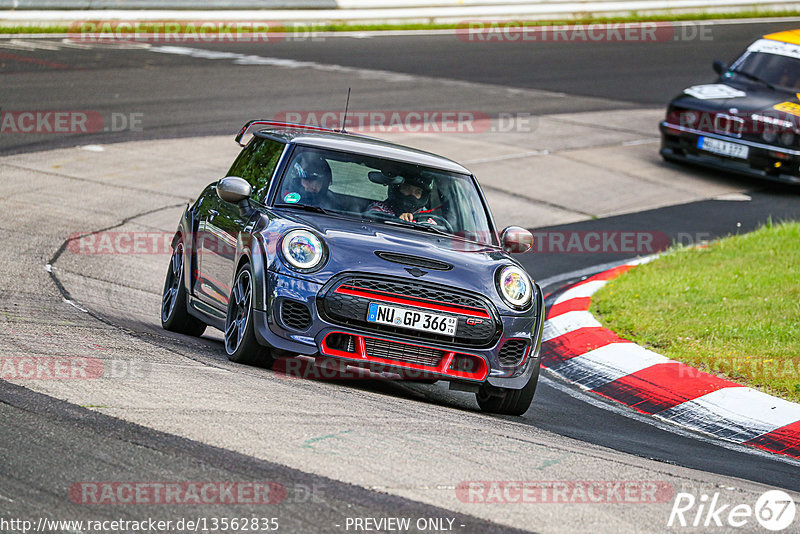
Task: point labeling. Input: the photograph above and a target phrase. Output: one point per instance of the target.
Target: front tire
(507, 401)
(241, 344)
(174, 313)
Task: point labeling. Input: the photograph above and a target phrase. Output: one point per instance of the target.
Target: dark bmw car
(748, 122)
(356, 250)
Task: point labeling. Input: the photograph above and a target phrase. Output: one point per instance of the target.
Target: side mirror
(233, 189)
(516, 240)
(719, 66)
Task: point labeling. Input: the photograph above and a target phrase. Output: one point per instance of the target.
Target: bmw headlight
(303, 250)
(515, 286)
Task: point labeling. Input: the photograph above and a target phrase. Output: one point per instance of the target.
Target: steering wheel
(438, 221)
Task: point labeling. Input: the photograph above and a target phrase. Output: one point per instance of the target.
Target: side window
(256, 163)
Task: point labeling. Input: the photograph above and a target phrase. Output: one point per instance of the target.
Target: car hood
(352, 246)
(744, 100)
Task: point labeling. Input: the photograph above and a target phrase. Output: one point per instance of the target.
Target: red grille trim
(361, 355)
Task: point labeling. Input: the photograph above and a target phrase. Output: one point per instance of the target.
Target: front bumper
(775, 163)
(408, 357)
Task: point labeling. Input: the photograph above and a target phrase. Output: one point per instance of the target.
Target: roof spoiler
(262, 122)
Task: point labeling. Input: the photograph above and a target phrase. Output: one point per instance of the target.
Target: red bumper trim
(361, 356)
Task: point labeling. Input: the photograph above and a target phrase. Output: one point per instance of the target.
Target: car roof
(370, 146)
(788, 36)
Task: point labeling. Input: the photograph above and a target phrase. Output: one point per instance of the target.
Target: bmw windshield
(387, 191)
(770, 63)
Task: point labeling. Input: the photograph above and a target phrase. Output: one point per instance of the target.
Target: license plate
(723, 148)
(413, 319)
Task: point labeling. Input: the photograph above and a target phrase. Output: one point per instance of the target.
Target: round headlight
(787, 138)
(515, 286)
(303, 250)
(769, 135)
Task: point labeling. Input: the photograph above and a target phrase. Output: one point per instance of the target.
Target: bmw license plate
(413, 319)
(723, 148)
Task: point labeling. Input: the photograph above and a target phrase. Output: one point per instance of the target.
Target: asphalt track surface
(179, 95)
(183, 96)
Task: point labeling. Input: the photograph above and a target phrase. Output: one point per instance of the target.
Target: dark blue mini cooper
(356, 250)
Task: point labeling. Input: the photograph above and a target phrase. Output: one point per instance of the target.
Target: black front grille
(351, 310)
(378, 348)
(416, 291)
(295, 315)
(512, 352)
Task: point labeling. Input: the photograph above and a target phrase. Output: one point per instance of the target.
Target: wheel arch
(251, 251)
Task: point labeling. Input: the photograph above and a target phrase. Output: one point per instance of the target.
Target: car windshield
(387, 191)
(772, 70)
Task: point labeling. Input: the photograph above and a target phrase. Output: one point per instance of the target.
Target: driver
(407, 200)
(308, 181)
(789, 77)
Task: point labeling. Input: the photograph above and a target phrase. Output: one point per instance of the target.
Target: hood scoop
(414, 261)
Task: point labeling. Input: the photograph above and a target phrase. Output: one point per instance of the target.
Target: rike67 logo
(774, 511)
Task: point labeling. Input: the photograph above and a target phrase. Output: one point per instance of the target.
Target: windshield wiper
(418, 226)
(753, 77)
(307, 207)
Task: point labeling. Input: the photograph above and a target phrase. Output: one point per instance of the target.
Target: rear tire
(507, 401)
(174, 313)
(241, 344)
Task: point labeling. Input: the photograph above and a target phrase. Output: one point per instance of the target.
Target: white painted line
(367, 74)
(586, 289)
(75, 305)
(518, 155)
(580, 273)
(643, 260)
(734, 197)
(568, 322)
(637, 142)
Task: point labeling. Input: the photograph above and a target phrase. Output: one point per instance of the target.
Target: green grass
(731, 309)
(586, 18)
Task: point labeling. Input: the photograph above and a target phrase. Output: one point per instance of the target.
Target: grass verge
(731, 309)
(588, 18)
